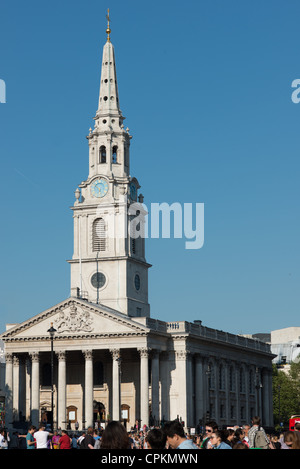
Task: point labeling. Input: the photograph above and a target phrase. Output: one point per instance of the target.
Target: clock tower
(108, 266)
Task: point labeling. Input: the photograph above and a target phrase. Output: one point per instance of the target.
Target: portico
(98, 365)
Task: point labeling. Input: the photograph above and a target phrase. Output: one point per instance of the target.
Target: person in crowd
(257, 435)
(30, 441)
(4, 439)
(246, 429)
(217, 440)
(210, 427)
(55, 440)
(176, 437)
(229, 436)
(65, 441)
(282, 443)
(115, 436)
(292, 439)
(41, 437)
(238, 437)
(14, 441)
(80, 439)
(156, 439)
(275, 441)
(88, 442)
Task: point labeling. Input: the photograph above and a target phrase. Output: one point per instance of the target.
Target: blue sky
(206, 90)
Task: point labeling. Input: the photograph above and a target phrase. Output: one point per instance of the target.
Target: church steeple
(108, 264)
(109, 142)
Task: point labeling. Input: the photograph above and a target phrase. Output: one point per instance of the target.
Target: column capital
(35, 356)
(61, 354)
(116, 353)
(182, 354)
(88, 354)
(8, 358)
(144, 352)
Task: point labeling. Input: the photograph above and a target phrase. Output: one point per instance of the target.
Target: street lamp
(51, 333)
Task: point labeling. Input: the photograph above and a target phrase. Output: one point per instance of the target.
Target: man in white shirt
(41, 437)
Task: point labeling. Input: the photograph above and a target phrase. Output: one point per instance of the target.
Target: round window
(137, 282)
(98, 280)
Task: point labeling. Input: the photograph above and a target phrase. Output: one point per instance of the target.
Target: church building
(99, 355)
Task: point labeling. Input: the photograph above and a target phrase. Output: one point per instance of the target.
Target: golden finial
(108, 31)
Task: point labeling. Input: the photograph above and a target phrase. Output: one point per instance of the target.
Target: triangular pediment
(76, 318)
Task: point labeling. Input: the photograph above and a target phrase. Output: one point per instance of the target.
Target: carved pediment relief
(75, 318)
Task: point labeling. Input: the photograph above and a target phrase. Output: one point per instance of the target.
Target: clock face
(133, 192)
(98, 280)
(99, 188)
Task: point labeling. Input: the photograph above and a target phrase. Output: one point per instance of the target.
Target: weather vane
(108, 31)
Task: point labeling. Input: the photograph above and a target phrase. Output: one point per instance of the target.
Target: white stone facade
(285, 344)
(174, 369)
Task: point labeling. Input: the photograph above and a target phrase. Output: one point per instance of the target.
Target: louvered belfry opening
(99, 235)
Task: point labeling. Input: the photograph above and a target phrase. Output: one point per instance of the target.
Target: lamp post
(51, 333)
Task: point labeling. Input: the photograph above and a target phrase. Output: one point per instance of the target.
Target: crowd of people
(169, 436)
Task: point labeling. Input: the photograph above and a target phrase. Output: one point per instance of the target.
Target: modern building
(110, 359)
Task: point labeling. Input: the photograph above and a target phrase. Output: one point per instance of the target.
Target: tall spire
(108, 106)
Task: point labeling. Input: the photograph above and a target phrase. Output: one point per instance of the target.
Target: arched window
(99, 235)
(102, 154)
(115, 154)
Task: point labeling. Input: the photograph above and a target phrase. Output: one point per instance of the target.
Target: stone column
(247, 390)
(89, 388)
(165, 384)
(155, 386)
(144, 380)
(267, 396)
(182, 385)
(216, 390)
(62, 389)
(227, 391)
(271, 413)
(199, 389)
(258, 387)
(206, 388)
(8, 389)
(238, 393)
(35, 388)
(116, 395)
(27, 387)
(16, 386)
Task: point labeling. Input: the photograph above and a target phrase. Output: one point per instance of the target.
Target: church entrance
(99, 414)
